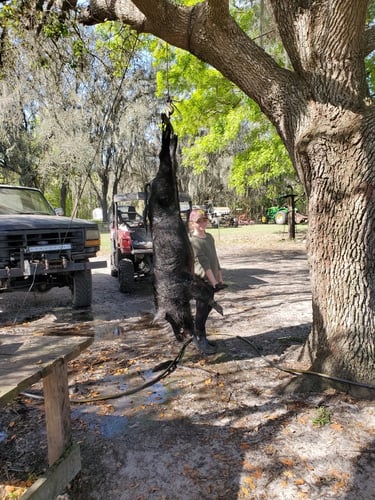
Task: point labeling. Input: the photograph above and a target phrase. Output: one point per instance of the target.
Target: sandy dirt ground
(218, 427)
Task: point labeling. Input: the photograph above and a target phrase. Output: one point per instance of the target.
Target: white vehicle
(221, 216)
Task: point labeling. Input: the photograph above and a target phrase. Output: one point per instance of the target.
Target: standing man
(206, 267)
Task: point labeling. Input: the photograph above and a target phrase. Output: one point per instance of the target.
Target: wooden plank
(57, 408)
(54, 482)
(24, 360)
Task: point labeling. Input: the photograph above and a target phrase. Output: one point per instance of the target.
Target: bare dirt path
(216, 428)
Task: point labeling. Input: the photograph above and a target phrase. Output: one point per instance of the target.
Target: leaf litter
(219, 427)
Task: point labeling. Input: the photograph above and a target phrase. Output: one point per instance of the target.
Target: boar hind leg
(181, 332)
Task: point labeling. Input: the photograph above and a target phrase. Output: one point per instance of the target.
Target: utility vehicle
(131, 240)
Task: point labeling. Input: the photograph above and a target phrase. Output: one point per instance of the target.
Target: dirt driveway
(219, 427)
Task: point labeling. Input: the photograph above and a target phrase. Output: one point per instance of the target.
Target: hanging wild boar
(173, 255)
(174, 281)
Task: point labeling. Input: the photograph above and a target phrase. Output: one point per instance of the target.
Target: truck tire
(126, 275)
(114, 268)
(82, 289)
(281, 217)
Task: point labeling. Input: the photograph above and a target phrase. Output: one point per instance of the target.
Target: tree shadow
(274, 342)
(363, 479)
(236, 452)
(173, 458)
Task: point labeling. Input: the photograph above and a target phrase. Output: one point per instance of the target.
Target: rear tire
(126, 275)
(281, 217)
(114, 268)
(82, 289)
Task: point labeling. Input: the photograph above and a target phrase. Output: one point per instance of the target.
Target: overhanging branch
(125, 11)
(211, 34)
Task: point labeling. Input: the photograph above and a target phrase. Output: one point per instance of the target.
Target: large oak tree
(322, 111)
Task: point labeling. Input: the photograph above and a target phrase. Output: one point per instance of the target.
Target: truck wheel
(82, 289)
(126, 275)
(114, 270)
(281, 217)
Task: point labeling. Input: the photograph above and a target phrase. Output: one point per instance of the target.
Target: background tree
(91, 77)
(91, 114)
(18, 145)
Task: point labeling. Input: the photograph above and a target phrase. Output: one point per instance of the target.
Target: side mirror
(59, 211)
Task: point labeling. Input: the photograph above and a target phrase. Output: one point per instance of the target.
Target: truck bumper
(46, 267)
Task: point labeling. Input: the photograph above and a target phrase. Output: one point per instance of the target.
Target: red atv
(131, 241)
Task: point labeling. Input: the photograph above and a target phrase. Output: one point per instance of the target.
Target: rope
(295, 371)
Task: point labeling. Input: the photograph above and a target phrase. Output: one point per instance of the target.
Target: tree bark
(341, 243)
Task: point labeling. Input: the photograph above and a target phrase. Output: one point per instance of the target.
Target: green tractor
(277, 215)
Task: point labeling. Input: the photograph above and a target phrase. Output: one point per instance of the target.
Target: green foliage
(370, 72)
(55, 28)
(264, 162)
(121, 45)
(371, 12)
(226, 142)
(213, 118)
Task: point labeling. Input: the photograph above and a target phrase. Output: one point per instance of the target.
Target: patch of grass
(323, 416)
(105, 243)
(256, 236)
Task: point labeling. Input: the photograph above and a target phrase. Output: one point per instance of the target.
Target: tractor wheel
(126, 275)
(281, 217)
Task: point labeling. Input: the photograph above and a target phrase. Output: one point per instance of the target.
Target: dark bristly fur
(174, 281)
(173, 256)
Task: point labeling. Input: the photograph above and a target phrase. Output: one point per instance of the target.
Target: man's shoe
(204, 346)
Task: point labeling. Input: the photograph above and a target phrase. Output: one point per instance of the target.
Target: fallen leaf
(248, 466)
(288, 473)
(302, 420)
(302, 495)
(287, 461)
(245, 446)
(250, 481)
(245, 491)
(337, 427)
(258, 473)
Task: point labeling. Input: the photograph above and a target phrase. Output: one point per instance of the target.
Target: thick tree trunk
(341, 246)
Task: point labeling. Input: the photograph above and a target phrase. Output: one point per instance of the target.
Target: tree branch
(207, 31)
(100, 11)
